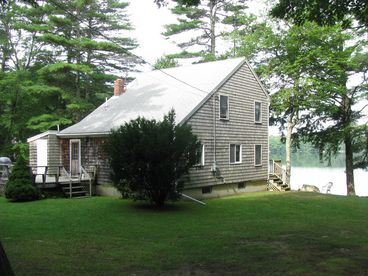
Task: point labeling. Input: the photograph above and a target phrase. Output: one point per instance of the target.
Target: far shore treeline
(304, 156)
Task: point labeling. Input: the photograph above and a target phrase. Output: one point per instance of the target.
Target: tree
(148, 157)
(339, 105)
(165, 62)
(57, 60)
(89, 35)
(251, 38)
(19, 186)
(202, 23)
(181, 2)
(312, 66)
(322, 12)
(24, 98)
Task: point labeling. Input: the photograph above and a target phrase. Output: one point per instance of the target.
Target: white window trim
(260, 112)
(228, 107)
(202, 160)
(257, 165)
(240, 154)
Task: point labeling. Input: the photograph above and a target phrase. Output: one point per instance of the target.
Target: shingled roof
(153, 94)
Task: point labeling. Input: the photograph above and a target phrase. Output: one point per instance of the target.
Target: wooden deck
(57, 176)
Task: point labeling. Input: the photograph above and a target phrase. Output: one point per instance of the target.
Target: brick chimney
(118, 87)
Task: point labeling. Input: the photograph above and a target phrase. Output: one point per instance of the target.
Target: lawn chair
(327, 188)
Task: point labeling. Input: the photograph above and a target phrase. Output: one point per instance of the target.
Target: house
(223, 101)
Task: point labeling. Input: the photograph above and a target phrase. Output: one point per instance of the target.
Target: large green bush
(148, 157)
(19, 186)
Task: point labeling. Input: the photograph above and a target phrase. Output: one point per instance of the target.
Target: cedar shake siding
(243, 90)
(92, 154)
(53, 151)
(33, 156)
(65, 152)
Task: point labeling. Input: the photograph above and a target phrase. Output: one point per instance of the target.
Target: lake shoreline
(320, 176)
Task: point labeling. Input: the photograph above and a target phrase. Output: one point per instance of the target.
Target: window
(235, 154)
(257, 112)
(258, 155)
(201, 158)
(224, 107)
(241, 185)
(206, 190)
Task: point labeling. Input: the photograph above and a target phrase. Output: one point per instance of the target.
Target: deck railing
(58, 174)
(276, 169)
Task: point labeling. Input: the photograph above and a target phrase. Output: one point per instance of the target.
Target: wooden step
(76, 194)
(73, 188)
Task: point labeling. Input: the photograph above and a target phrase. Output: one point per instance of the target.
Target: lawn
(254, 234)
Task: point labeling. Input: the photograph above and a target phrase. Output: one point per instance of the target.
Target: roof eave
(43, 134)
(81, 135)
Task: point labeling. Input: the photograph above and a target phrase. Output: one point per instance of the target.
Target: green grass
(254, 234)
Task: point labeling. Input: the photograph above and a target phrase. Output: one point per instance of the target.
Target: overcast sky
(149, 21)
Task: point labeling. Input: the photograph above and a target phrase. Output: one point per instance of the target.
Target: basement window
(241, 185)
(224, 107)
(206, 190)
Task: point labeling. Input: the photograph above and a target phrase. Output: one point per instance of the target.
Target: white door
(75, 157)
(41, 156)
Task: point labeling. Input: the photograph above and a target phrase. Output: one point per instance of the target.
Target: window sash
(224, 107)
(201, 159)
(257, 112)
(258, 155)
(235, 154)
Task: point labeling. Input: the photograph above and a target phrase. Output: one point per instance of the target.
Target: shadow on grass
(178, 206)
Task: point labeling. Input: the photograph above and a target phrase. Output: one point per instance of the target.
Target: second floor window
(224, 107)
(257, 112)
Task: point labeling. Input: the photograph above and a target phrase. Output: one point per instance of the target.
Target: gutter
(80, 135)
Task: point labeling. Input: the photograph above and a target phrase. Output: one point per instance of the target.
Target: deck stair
(277, 177)
(73, 189)
(72, 186)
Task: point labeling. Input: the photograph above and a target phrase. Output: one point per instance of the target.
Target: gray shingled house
(223, 101)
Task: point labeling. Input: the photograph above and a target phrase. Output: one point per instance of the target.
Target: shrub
(19, 186)
(148, 157)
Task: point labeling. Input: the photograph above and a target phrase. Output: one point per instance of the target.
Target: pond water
(321, 176)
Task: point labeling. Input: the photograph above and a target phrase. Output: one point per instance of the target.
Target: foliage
(165, 62)
(148, 158)
(25, 101)
(251, 38)
(181, 2)
(19, 186)
(202, 22)
(321, 11)
(57, 60)
(231, 237)
(303, 154)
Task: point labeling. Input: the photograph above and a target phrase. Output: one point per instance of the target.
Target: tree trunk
(288, 153)
(349, 166)
(348, 141)
(213, 27)
(289, 130)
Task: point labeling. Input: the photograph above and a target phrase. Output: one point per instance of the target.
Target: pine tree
(19, 186)
(205, 23)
